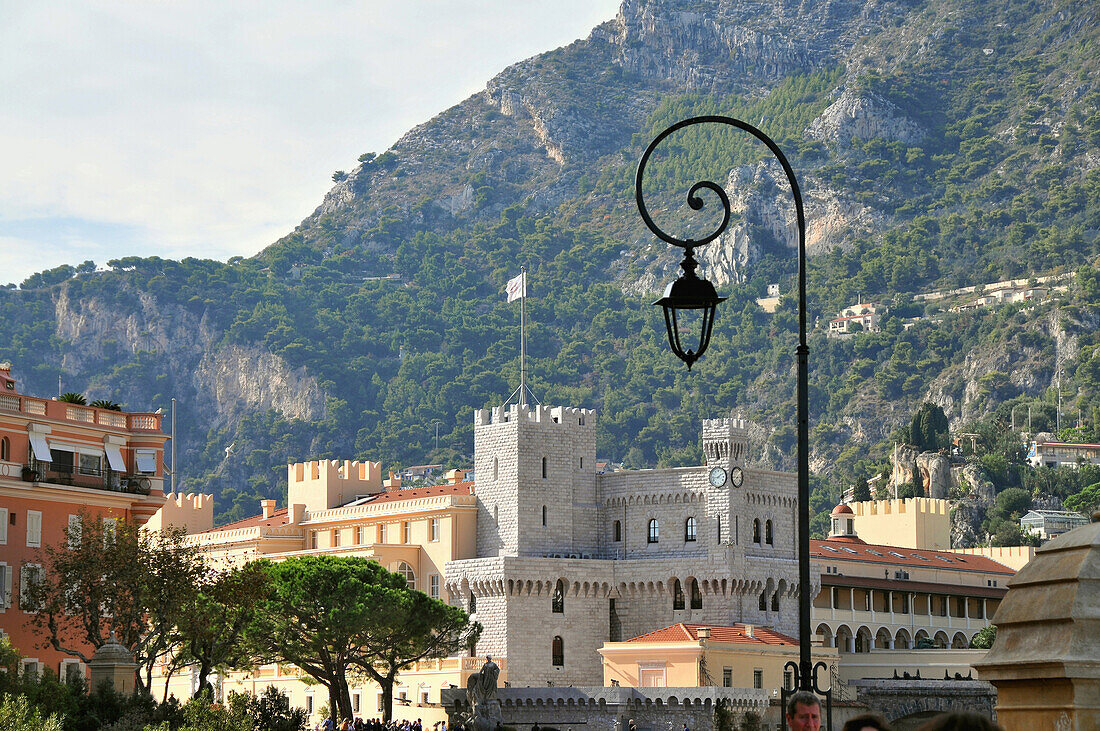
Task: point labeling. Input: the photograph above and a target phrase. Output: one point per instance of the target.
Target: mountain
(940, 145)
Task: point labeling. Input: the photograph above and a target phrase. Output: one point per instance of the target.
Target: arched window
(617, 531)
(407, 571)
(775, 602)
(557, 652)
(768, 533)
(5, 449)
(689, 529)
(544, 515)
(763, 601)
(696, 595)
(472, 604)
(677, 595)
(557, 604)
(544, 468)
(756, 530)
(654, 533)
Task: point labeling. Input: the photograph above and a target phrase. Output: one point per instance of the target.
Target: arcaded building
(569, 558)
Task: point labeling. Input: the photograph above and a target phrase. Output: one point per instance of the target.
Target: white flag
(517, 287)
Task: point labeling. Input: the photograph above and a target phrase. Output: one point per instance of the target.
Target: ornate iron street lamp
(690, 292)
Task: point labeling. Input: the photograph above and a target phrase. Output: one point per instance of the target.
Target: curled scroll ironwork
(694, 200)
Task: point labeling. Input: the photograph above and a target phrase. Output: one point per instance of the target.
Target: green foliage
(106, 404)
(861, 490)
(71, 397)
(1013, 502)
(983, 639)
(16, 714)
(1087, 501)
(929, 428)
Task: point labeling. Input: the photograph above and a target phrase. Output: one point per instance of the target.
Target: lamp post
(690, 292)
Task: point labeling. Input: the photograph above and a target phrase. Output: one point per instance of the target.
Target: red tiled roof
(735, 633)
(461, 488)
(279, 517)
(871, 553)
(842, 510)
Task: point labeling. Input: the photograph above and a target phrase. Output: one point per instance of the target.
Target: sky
(210, 128)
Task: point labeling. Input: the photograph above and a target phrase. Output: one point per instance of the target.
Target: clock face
(717, 477)
(737, 476)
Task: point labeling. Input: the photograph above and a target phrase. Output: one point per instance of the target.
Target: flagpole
(523, 339)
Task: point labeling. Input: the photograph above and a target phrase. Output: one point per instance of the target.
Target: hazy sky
(209, 128)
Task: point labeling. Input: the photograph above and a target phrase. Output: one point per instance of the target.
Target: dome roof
(842, 509)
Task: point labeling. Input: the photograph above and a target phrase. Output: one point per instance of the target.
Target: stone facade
(565, 552)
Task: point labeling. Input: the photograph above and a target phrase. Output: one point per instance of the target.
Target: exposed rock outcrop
(864, 116)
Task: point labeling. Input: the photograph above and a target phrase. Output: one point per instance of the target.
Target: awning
(114, 457)
(146, 460)
(40, 448)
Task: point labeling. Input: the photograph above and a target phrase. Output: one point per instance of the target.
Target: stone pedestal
(1045, 662)
(114, 664)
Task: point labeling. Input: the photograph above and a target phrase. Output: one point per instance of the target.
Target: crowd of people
(377, 724)
(804, 714)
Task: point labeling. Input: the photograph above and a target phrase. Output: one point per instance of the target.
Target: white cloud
(208, 128)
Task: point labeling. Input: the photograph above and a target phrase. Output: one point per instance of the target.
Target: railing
(76, 412)
(95, 478)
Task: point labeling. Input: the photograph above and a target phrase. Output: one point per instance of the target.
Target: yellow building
(916, 522)
(345, 508)
(693, 655)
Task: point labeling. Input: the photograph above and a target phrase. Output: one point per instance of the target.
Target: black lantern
(692, 293)
(689, 292)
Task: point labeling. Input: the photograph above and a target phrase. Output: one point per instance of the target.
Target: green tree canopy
(929, 430)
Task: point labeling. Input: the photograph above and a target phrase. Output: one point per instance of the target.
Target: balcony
(60, 410)
(96, 479)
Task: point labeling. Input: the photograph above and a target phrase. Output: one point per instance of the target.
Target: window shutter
(3, 526)
(34, 529)
(5, 586)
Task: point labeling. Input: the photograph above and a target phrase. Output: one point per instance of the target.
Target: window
(763, 604)
(544, 515)
(496, 469)
(309, 704)
(788, 680)
(61, 461)
(381, 704)
(557, 652)
(360, 534)
(718, 529)
(28, 667)
(696, 595)
(768, 533)
(424, 698)
(557, 603)
(544, 468)
(758, 678)
(617, 531)
(355, 703)
(581, 466)
(5, 449)
(382, 532)
(775, 602)
(677, 595)
(4, 526)
(29, 576)
(76, 525)
(313, 539)
(91, 464)
(689, 529)
(71, 671)
(433, 586)
(406, 532)
(34, 529)
(472, 604)
(756, 530)
(5, 585)
(335, 537)
(654, 534)
(146, 460)
(727, 677)
(407, 571)
(433, 530)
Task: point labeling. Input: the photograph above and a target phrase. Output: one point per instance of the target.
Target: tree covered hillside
(940, 144)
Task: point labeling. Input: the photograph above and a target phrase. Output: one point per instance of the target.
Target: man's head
(804, 712)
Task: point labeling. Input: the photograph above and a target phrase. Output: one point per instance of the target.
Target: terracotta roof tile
(841, 550)
(279, 517)
(730, 634)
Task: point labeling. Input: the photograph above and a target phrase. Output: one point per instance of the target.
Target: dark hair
(960, 721)
(863, 720)
(804, 697)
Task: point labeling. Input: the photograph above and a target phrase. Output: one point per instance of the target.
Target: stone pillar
(114, 664)
(1045, 661)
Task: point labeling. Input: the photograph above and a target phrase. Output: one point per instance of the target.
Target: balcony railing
(75, 412)
(95, 478)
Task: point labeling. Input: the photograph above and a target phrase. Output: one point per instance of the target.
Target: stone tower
(536, 481)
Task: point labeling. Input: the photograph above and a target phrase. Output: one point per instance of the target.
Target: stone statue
(481, 693)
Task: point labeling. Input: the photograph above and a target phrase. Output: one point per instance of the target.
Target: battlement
(564, 415)
(904, 506)
(194, 512)
(328, 483)
(725, 439)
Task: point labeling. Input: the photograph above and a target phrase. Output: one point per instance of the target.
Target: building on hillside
(1049, 524)
(57, 461)
(1062, 454)
(863, 316)
(693, 655)
(917, 522)
(877, 597)
(569, 558)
